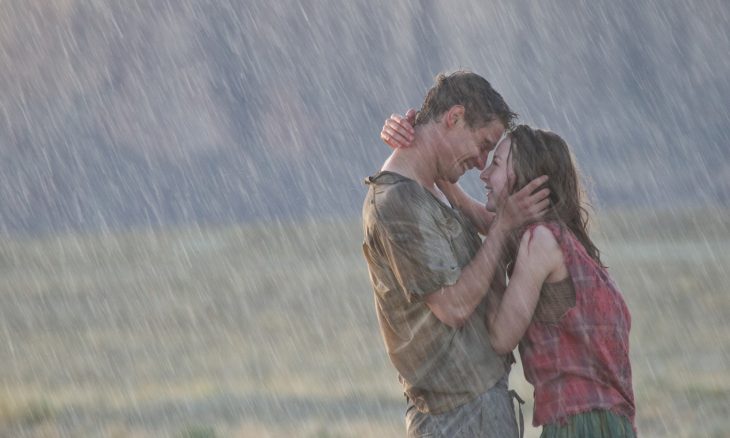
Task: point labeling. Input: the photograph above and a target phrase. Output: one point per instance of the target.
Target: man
(430, 270)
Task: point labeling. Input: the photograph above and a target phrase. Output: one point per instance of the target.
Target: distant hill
(123, 114)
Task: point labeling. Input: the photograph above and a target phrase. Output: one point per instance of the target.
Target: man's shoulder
(392, 196)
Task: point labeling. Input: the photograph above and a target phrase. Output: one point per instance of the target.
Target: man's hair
(481, 102)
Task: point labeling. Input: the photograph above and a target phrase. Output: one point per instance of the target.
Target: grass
(27, 414)
(269, 330)
(198, 432)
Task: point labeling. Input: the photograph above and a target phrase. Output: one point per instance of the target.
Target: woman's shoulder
(540, 237)
(540, 247)
(544, 231)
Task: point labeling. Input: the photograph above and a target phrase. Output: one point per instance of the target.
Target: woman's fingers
(534, 184)
(393, 138)
(530, 203)
(539, 196)
(397, 132)
(411, 118)
(541, 208)
(403, 126)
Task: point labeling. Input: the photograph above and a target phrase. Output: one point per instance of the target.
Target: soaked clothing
(489, 415)
(415, 245)
(555, 299)
(580, 362)
(594, 424)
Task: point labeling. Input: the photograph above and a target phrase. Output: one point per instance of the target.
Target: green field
(269, 330)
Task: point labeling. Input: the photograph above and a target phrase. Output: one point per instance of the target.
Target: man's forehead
(502, 137)
(495, 132)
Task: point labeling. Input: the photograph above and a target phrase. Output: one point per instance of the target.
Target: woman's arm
(538, 256)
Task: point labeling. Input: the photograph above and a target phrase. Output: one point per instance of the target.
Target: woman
(560, 305)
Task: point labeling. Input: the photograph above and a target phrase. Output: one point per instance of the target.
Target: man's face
(468, 148)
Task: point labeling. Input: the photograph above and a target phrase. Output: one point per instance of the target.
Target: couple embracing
(452, 306)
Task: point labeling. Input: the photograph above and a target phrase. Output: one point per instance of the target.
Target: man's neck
(418, 161)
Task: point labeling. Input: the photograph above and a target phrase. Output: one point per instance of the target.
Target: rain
(181, 185)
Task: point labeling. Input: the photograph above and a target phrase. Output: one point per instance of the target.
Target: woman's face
(498, 175)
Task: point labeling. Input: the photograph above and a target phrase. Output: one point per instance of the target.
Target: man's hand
(398, 131)
(524, 206)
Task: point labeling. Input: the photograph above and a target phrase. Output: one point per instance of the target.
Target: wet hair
(481, 102)
(536, 152)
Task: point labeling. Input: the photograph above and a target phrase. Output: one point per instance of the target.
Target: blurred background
(181, 183)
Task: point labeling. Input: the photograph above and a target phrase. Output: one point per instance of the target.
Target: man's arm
(454, 304)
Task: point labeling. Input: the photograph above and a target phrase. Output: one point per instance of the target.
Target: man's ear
(454, 114)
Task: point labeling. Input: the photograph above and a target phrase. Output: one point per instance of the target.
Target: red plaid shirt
(581, 363)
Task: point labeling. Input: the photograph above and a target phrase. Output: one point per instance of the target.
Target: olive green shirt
(415, 245)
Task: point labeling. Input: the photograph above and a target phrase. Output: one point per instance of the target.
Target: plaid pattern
(581, 363)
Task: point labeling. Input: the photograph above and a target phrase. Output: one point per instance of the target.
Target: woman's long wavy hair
(535, 152)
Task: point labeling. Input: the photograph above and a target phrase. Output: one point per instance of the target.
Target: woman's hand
(398, 131)
(527, 205)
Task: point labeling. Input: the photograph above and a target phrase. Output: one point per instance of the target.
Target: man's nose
(482, 160)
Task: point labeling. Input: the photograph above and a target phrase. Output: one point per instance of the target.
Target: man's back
(415, 245)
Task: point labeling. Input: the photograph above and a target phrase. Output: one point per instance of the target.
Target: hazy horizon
(135, 115)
